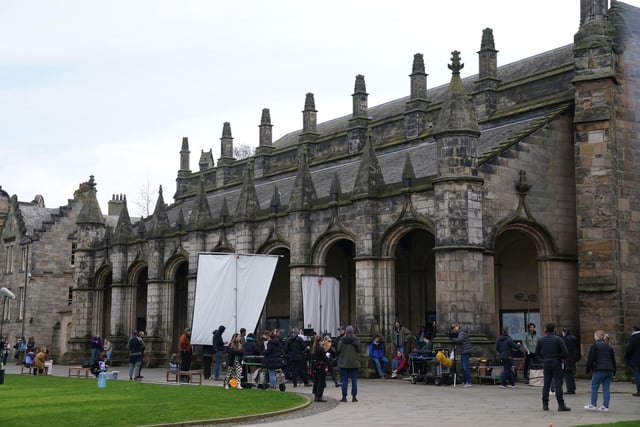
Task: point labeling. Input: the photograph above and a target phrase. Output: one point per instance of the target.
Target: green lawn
(618, 424)
(61, 401)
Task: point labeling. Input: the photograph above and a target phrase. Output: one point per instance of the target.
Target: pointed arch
(540, 236)
(324, 243)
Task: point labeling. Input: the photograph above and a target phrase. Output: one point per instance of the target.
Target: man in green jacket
(349, 363)
(529, 347)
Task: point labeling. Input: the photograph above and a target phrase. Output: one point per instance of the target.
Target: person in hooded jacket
(294, 348)
(219, 350)
(505, 348)
(349, 363)
(573, 356)
(272, 358)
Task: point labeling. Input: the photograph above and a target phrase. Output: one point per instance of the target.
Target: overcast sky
(109, 88)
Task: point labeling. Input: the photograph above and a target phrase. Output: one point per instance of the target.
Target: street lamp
(27, 276)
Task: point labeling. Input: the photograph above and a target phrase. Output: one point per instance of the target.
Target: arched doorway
(139, 275)
(180, 303)
(517, 283)
(106, 305)
(276, 313)
(415, 279)
(340, 264)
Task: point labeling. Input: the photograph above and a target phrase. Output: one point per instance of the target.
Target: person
(425, 339)
(632, 356)
(207, 359)
(184, 347)
(39, 361)
(135, 347)
(272, 358)
(398, 363)
(250, 347)
(218, 348)
(320, 362)
(96, 347)
(234, 362)
(4, 350)
(602, 362)
(529, 346)
(100, 365)
(29, 359)
(552, 350)
(569, 366)
(243, 335)
(20, 347)
(31, 344)
(295, 348)
(107, 347)
(141, 337)
(376, 353)
(460, 337)
(505, 346)
(400, 335)
(48, 361)
(349, 363)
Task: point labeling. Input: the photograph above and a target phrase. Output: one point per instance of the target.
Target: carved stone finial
(522, 185)
(455, 65)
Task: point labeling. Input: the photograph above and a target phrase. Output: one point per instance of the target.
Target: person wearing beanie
(552, 350)
(219, 350)
(349, 363)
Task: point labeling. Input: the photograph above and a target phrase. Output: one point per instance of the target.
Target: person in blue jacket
(376, 353)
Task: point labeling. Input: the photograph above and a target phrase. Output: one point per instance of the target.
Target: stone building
(502, 197)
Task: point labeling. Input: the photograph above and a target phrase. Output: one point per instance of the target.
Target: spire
(456, 113)
(303, 193)
(200, 213)
(415, 117)
(90, 212)
(593, 11)
(224, 211)
(265, 129)
(369, 180)
(309, 115)
(360, 97)
(408, 175)
(335, 190)
(159, 220)
(123, 226)
(180, 222)
(184, 155)
(248, 205)
(487, 83)
(418, 78)
(275, 202)
(226, 145)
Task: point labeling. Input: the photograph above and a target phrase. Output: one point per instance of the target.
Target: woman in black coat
(272, 358)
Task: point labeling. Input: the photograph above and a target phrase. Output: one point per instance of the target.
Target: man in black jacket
(632, 356)
(219, 350)
(552, 350)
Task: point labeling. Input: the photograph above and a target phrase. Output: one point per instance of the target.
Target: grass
(618, 424)
(63, 401)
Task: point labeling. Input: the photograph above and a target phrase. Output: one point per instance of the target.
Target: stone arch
(333, 254)
(408, 291)
(175, 291)
(277, 306)
(324, 243)
(523, 272)
(137, 278)
(102, 302)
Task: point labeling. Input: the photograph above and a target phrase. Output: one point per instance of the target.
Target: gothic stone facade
(509, 192)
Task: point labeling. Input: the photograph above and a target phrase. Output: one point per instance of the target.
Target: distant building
(503, 197)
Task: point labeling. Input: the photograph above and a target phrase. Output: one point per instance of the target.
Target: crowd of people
(27, 354)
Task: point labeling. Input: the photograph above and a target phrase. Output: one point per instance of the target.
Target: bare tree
(242, 151)
(145, 200)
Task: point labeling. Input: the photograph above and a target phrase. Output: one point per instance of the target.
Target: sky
(110, 88)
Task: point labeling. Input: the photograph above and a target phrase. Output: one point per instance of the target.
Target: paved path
(400, 403)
